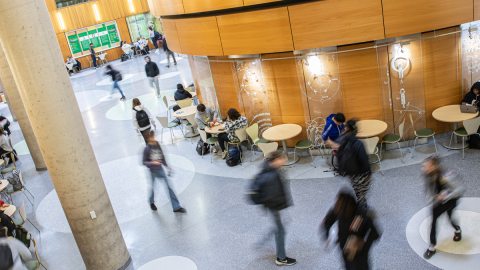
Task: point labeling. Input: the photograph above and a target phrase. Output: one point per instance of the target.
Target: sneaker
(224, 154)
(287, 261)
(429, 253)
(180, 210)
(168, 66)
(457, 236)
(153, 207)
(122, 98)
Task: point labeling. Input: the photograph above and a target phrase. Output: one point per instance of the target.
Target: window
(138, 25)
(66, 3)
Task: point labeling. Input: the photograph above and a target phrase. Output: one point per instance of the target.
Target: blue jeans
(115, 85)
(279, 234)
(160, 174)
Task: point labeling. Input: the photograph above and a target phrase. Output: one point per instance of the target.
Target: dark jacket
(164, 44)
(471, 98)
(113, 73)
(352, 157)
(331, 130)
(92, 51)
(182, 94)
(154, 153)
(151, 69)
(272, 189)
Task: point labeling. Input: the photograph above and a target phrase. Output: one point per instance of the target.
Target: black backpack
(118, 76)
(202, 148)
(142, 119)
(233, 158)
(6, 257)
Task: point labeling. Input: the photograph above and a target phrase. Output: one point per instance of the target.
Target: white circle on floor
(21, 148)
(169, 75)
(127, 182)
(122, 111)
(450, 255)
(127, 78)
(90, 98)
(170, 263)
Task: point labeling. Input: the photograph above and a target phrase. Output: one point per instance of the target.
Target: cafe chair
(170, 125)
(394, 138)
(252, 132)
(212, 141)
(470, 127)
(306, 144)
(165, 101)
(267, 148)
(103, 58)
(371, 148)
(184, 103)
(23, 215)
(241, 134)
(423, 133)
(23, 189)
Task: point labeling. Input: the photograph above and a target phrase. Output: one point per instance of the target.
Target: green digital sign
(74, 44)
(103, 37)
(113, 33)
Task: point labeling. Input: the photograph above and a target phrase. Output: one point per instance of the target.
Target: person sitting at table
(127, 49)
(5, 124)
(75, 64)
(473, 97)
(233, 122)
(180, 94)
(5, 148)
(205, 116)
(334, 126)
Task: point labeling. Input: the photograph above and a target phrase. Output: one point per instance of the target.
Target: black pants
(437, 211)
(222, 140)
(94, 60)
(145, 134)
(360, 262)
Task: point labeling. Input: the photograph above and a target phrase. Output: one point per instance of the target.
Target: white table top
(3, 184)
(10, 210)
(370, 128)
(215, 129)
(452, 114)
(282, 132)
(171, 99)
(184, 112)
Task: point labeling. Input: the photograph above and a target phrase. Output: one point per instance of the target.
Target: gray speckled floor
(221, 229)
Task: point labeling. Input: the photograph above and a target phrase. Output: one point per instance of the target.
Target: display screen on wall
(103, 37)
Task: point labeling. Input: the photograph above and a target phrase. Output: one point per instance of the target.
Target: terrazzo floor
(221, 229)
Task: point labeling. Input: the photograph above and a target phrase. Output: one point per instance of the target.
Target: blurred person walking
(152, 71)
(353, 161)
(356, 230)
(154, 159)
(116, 77)
(270, 190)
(168, 52)
(444, 197)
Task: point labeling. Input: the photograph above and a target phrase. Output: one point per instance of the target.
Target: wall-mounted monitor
(103, 37)
(66, 3)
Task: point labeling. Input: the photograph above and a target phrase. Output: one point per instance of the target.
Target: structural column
(33, 54)
(18, 109)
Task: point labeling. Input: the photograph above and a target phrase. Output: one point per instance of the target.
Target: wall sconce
(131, 6)
(61, 22)
(96, 12)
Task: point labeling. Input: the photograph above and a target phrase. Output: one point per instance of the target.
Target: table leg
(290, 161)
(455, 145)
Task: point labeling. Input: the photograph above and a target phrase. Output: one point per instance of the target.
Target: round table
(452, 114)
(3, 185)
(9, 210)
(370, 128)
(215, 129)
(282, 133)
(186, 113)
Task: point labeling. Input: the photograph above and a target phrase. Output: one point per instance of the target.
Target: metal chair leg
(451, 138)
(311, 156)
(435, 144)
(414, 145)
(463, 147)
(401, 153)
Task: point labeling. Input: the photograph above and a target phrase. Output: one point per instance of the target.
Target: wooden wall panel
(476, 10)
(360, 82)
(256, 2)
(262, 31)
(171, 34)
(199, 36)
(442, 76)
(415, 16)
(227, 95)
(334, 22)
(165, 7)
(192, 6)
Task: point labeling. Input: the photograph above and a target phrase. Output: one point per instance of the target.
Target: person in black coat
(168, 52)
(93, 55)
(274, 195)
(473, 97)
(180, 94)
(356, 230)
(152, 71)
(116, 78)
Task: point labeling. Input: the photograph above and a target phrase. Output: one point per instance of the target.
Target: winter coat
(272, 189)
(331, 131)
(352, 157)
(151, 69)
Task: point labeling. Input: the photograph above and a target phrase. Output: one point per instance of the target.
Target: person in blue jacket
(333, 127)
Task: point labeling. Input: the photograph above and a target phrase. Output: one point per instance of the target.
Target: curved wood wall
(312, 25)
(178, 7)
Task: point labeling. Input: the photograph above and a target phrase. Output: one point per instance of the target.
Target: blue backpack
(233, 158)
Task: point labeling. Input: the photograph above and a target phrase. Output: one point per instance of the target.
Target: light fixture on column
(61, 22)
(131, 6)
(96, 12)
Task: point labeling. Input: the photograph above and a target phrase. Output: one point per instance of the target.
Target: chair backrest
(252, 132)
(163, 121)
(268, 148)
(203, 134)
(370, 144)
(401, 129)
(191, 119)
(22, 212)
(102, 56)
(471, 126)
(165, 101)
(241, 134)
(184, 102)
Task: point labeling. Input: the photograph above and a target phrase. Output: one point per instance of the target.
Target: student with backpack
(352, 161)
(116, 77)
(270, 190)
(142, 118)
